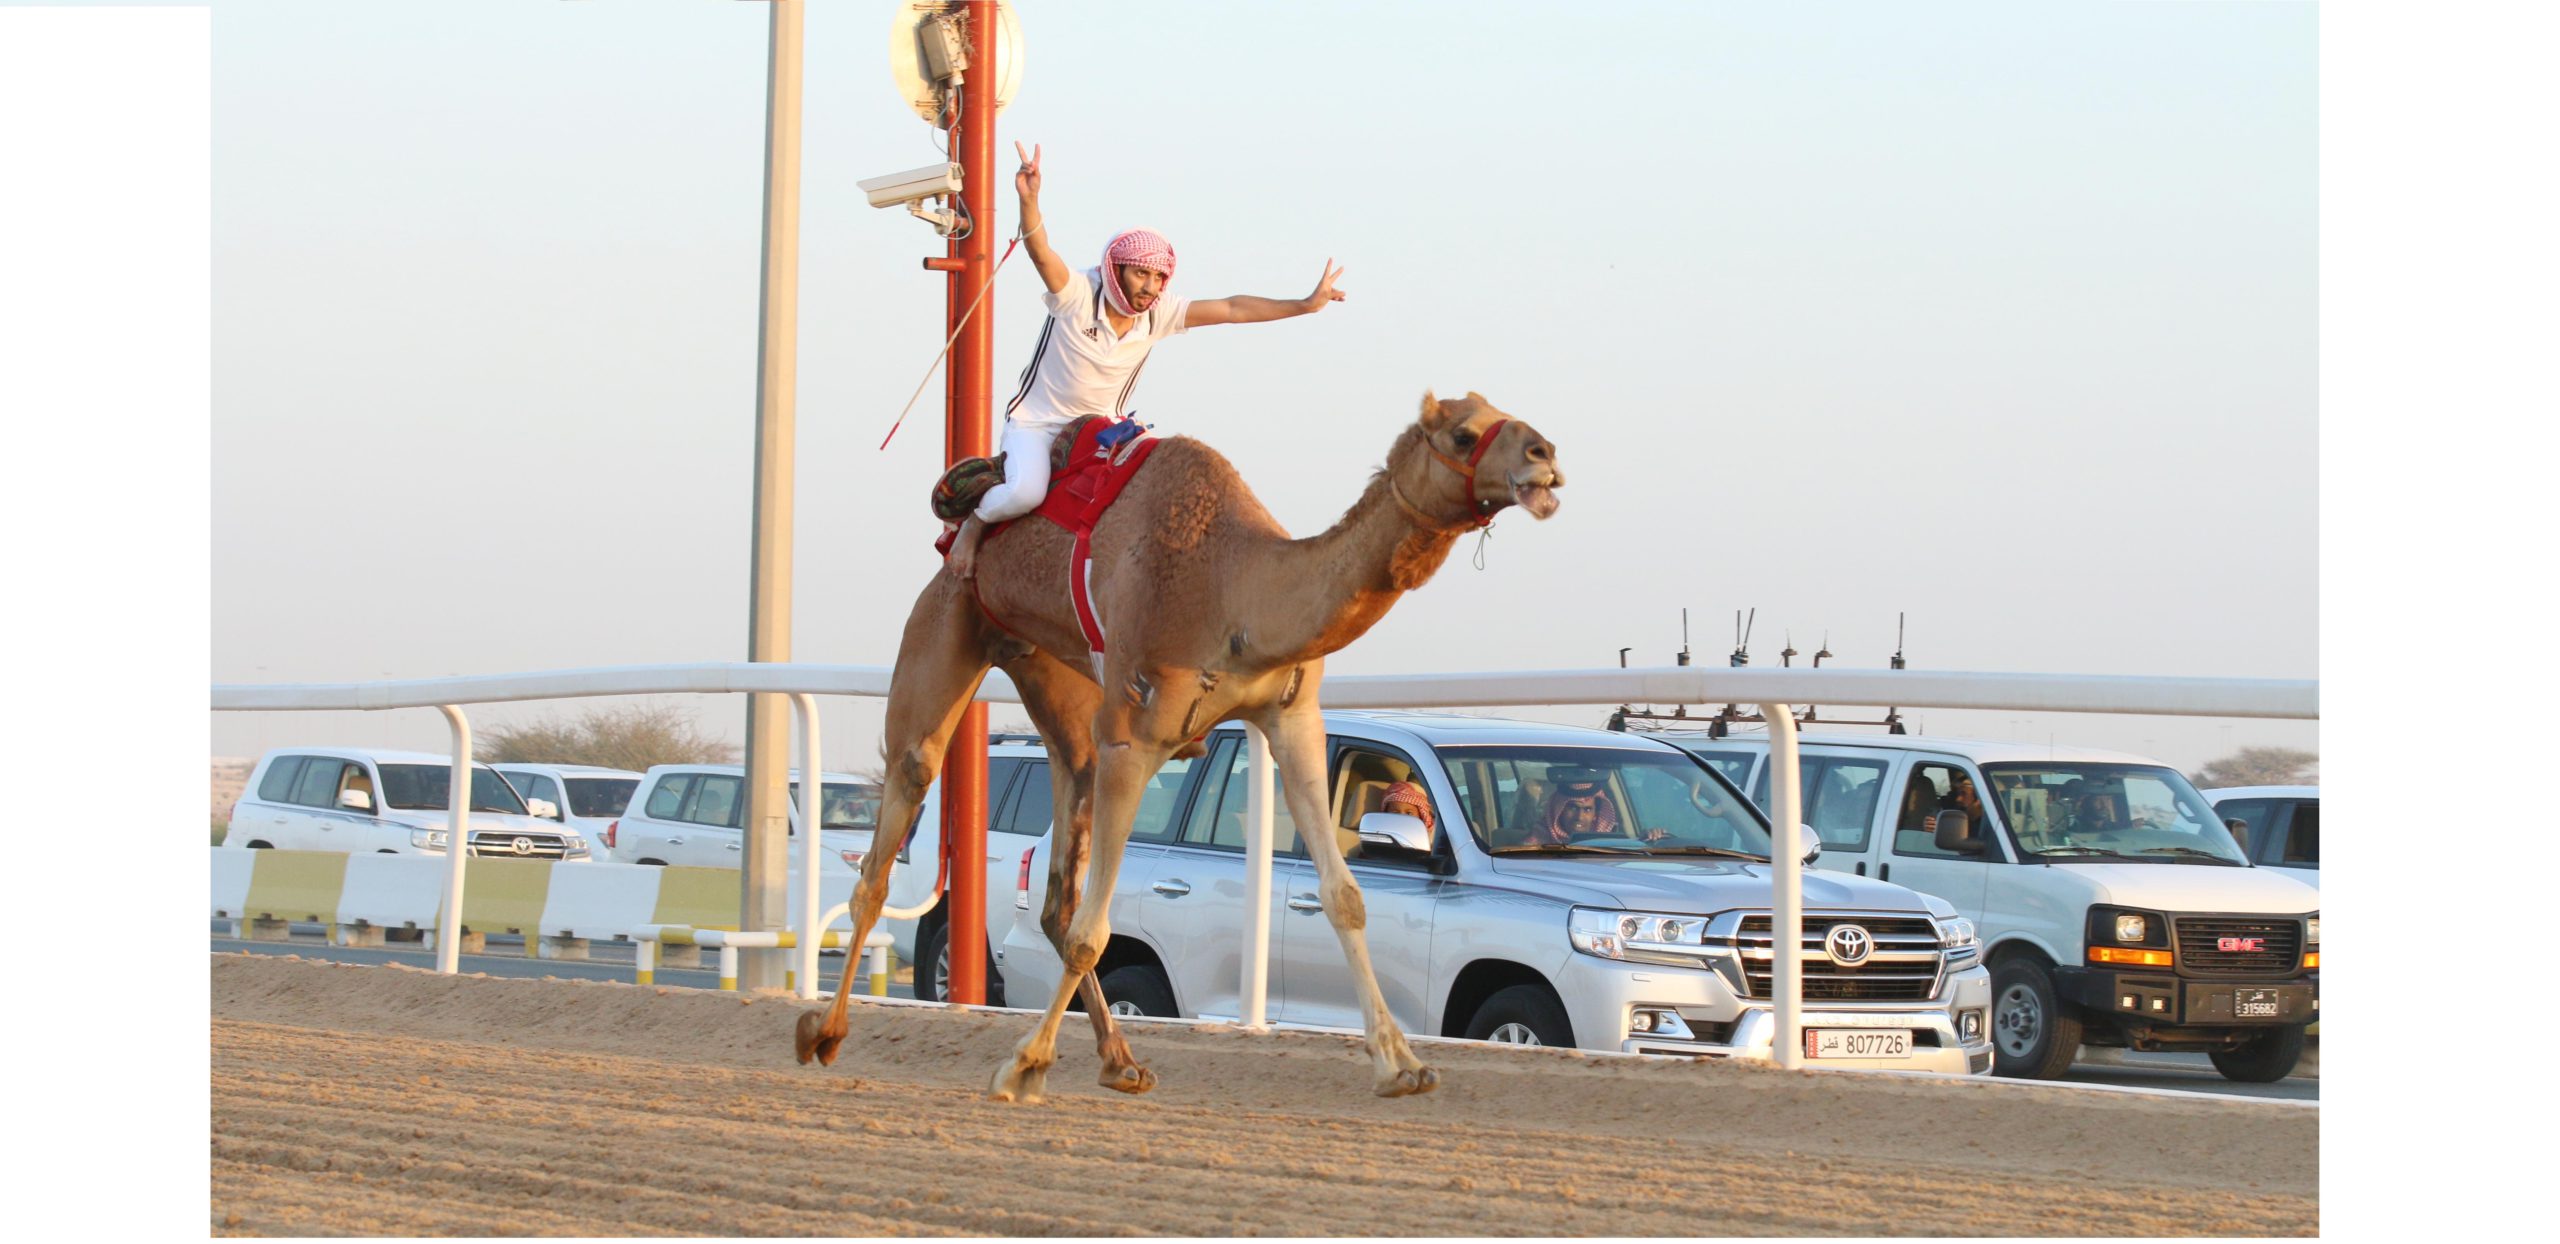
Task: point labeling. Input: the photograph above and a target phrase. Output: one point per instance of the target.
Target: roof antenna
(1742, 638)
(1826, 650)
(1684, 637)
(1892, 713)
(1787, 655)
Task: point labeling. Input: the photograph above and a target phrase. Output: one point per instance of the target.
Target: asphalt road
(2159, 1073)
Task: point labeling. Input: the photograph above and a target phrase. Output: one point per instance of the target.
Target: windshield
(2139, 812)
(848, 805)
(600, 796)
(429, 788)
(1533, 798)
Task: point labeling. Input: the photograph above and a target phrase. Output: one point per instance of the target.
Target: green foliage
(220, 827)
(2261, 766)
(629, 737)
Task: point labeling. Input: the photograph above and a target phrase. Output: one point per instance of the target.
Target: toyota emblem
(1849, 944)
(523, 846)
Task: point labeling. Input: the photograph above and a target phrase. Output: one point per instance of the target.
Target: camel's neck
(1320, 593)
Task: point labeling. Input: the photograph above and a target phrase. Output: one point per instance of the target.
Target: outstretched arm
(1035, 238)
(1247, 309)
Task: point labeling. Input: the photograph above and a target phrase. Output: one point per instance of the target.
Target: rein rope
(1466, 471)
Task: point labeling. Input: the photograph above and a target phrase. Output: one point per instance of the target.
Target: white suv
(585, 799)
(696, 814)
(2114, 907)
(363, 800)
(2278, 825)
(1608, 936)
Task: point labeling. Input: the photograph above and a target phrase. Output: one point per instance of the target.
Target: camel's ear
(1435, 413)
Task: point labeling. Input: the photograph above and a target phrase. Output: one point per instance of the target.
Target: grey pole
(763, 901)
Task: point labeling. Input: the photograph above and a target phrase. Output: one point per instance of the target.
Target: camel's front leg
(1121, 774)
(1297, 752)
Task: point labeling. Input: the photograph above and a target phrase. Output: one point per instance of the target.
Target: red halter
(1467, 470)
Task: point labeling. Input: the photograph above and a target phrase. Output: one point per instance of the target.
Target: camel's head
(1491, 458)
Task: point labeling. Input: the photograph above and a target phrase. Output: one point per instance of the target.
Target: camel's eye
(1462, 438)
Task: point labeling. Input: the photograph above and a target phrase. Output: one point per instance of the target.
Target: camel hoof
(810, 1039)
(1017, 1083)
(1131, 1079)
(1408, 1083)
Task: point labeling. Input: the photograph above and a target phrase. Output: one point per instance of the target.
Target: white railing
(1774, 690)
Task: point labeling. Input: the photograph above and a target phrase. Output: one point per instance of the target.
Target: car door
(713, 834)
(1192, 908)
(1398, 890)
(659, 832)
(269, 815)
(1911, 856)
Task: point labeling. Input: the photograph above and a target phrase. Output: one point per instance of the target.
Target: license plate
(2254, 1004)
(1857, 1043)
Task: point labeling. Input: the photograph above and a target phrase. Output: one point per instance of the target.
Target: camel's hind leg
(1297, 752)
(1121, 771)
(940, 661)
(1062, 704)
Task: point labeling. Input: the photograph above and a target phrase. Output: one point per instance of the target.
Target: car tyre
(933, 968)
(1522, 1015)
(1138, 989)
(2264, 1058)
(2034, 1034)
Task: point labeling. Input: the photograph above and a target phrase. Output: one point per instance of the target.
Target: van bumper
(2158, 998)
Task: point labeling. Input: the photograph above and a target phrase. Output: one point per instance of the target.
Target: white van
(2113, 905)
(365, 800)
(585, 799)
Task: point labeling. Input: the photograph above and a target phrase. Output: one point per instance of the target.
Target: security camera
(913, 186)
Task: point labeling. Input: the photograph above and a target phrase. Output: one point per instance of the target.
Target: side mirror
(1812, 843)
(1395, 829)
(356, 800)
(543, 808)
(1958, 833)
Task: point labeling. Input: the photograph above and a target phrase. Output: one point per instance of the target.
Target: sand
(358, 1100)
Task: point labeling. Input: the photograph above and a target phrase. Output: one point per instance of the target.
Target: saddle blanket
(1092, 460)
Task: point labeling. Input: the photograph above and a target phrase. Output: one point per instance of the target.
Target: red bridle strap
(1467, 470)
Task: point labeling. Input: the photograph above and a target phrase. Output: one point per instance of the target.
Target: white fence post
(1786, 914)
(1252, 997)
(457, 844)
(813, 804)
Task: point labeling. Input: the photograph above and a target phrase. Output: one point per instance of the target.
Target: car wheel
(1522, 1015)
(2262, 1059)
(262, 846)
(2034, 1035)
(655, 863)
(1138, 991)
(933, 975)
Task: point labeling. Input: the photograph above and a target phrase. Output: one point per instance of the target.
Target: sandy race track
(391, 1101)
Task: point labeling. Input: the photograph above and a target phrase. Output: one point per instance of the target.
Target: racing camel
(1213, 614)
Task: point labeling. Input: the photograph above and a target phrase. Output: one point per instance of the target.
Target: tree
(633, 737)
(2261, 766)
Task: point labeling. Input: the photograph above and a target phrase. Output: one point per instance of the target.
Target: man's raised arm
(1026, 183)
(1247, 309)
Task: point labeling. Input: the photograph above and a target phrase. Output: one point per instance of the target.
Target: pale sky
(2000, 314)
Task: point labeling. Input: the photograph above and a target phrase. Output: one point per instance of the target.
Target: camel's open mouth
(1538, 499)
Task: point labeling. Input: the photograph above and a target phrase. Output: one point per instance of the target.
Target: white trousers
(1026, 472)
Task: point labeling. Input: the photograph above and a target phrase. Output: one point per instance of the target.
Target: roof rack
(1731, 715)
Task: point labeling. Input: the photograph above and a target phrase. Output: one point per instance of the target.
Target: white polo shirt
(1081, 367)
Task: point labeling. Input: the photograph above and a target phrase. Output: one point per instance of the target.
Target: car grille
(2199, 939)
(501, 844)
(1904, 967)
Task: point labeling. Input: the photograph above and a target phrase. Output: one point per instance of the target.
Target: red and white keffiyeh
(1143, 248)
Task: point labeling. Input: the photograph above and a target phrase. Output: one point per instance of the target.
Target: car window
(667, 799)
(2302, 838)
(536, 786)
(1158, 802)
(1000, 773)
(1930, 789)
(429, 788)
(277, 786)
(1223, 826)
(1735, 766)
(318, 786)
(1362, 774)
(1836, 795)
(715, 801)
(2254, 816)
(600, 796)
(1033, 801)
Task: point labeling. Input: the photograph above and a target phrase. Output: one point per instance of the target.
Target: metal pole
(1786, 914)
(964, 764)
(813, 805)
(457, 843)
(1254, 990)
(763, 901)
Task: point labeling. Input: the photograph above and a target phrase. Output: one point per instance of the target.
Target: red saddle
(1102, 456)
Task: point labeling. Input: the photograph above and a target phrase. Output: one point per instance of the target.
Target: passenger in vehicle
(1964, 798)
(1410, 799)
(2098, 817)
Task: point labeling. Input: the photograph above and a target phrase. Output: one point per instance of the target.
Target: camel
(1211, 613)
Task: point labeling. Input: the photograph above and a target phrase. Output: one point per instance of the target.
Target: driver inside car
(1578, 808)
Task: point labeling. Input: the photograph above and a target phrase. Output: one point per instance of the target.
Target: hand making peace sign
(1325, 292)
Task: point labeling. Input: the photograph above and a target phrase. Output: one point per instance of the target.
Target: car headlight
(576, 843)
(2312, 931)
(427, 838)
(1955, 932)
(2132, 928)
(1630, 934)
